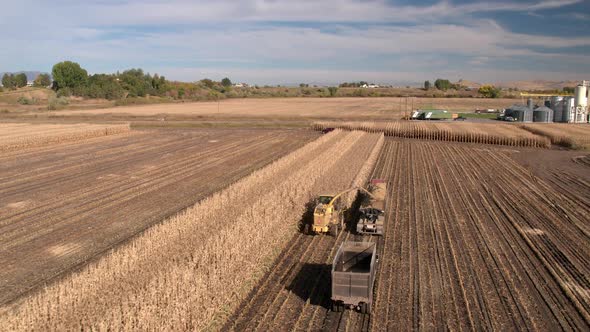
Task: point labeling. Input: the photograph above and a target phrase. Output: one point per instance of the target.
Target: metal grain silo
(580, 96)
(569, 110)
(543, 114)
(557, 105)
(520, 113)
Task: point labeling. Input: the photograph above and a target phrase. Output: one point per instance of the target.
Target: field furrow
(493, 250)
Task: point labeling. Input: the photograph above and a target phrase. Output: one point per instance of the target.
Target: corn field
(496, 133)
(193, 270)
(16, 136)
(565, 134)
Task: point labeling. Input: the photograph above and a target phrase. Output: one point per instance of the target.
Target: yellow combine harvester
(328, 215)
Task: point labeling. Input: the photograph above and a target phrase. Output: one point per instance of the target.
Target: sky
(310, 41)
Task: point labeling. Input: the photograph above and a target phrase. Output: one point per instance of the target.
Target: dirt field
(64, 204)
(473, 241)
(479, 249)
(348, 108)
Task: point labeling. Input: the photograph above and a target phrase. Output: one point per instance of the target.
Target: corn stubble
(16, 136)
(484, 133)
(192, 271)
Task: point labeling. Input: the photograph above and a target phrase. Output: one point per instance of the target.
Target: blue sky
(288, 41)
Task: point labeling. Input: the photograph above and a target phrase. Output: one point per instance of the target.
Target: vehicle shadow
(307, 216)
(313, 284)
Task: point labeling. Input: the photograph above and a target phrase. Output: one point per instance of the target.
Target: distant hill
(31, 75)
(469, 84)
(532, 85)
(539, 85)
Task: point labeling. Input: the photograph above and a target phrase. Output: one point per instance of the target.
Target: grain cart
(372, 217)
(353, 276)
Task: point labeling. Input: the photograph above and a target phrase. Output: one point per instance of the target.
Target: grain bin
(569, 110)
(520, 113)
(557, 105)
(543, 114)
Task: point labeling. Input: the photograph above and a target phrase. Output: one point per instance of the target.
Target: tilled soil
(470, 248)
(62, 205)
(473, 241)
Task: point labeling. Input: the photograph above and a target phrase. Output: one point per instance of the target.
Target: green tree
(332, 91)
(137, 83)
(20, 80)
(226, 82)
(8, 81)
(69, 75)
(426, 85)
(104, 86)
(42, 80)
(208, 83)
(442, 84)
(489, 91)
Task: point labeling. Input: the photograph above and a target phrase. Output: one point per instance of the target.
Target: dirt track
(62, 205)
(465, 248)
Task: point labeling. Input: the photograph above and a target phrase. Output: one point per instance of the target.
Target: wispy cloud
(261, 36)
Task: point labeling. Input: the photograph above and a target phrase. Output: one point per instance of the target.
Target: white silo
(569, 110)
(580, 96)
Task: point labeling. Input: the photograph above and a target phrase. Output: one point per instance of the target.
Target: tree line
(69, 78)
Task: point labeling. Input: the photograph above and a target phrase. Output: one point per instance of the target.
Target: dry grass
(15, 136)
(191, 271)
(576, 136)
(493, 133)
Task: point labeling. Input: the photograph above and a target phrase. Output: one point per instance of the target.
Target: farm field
(479, 250)
(457, 253)
(296, 108)
(181, 275)
(63, 204)
(15, 136)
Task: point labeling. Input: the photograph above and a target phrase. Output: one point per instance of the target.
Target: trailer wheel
(365, 308)
(336, 307)
(306, 229)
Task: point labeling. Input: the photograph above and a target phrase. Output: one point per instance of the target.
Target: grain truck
(353, 276)
(372, 216)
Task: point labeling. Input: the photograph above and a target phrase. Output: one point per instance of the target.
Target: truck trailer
(353, 276)
(372, 217)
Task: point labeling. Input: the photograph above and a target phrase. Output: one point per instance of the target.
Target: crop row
(495, 133)
(473, 250)
(20, 136)
(565, 134)
(191, 271)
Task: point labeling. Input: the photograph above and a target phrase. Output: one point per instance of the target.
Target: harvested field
(61, 205)
(570, 135)
(190, 271)
(458, 253)
(381, 108)
(485, 133)
(15, 136)
(466, 249)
